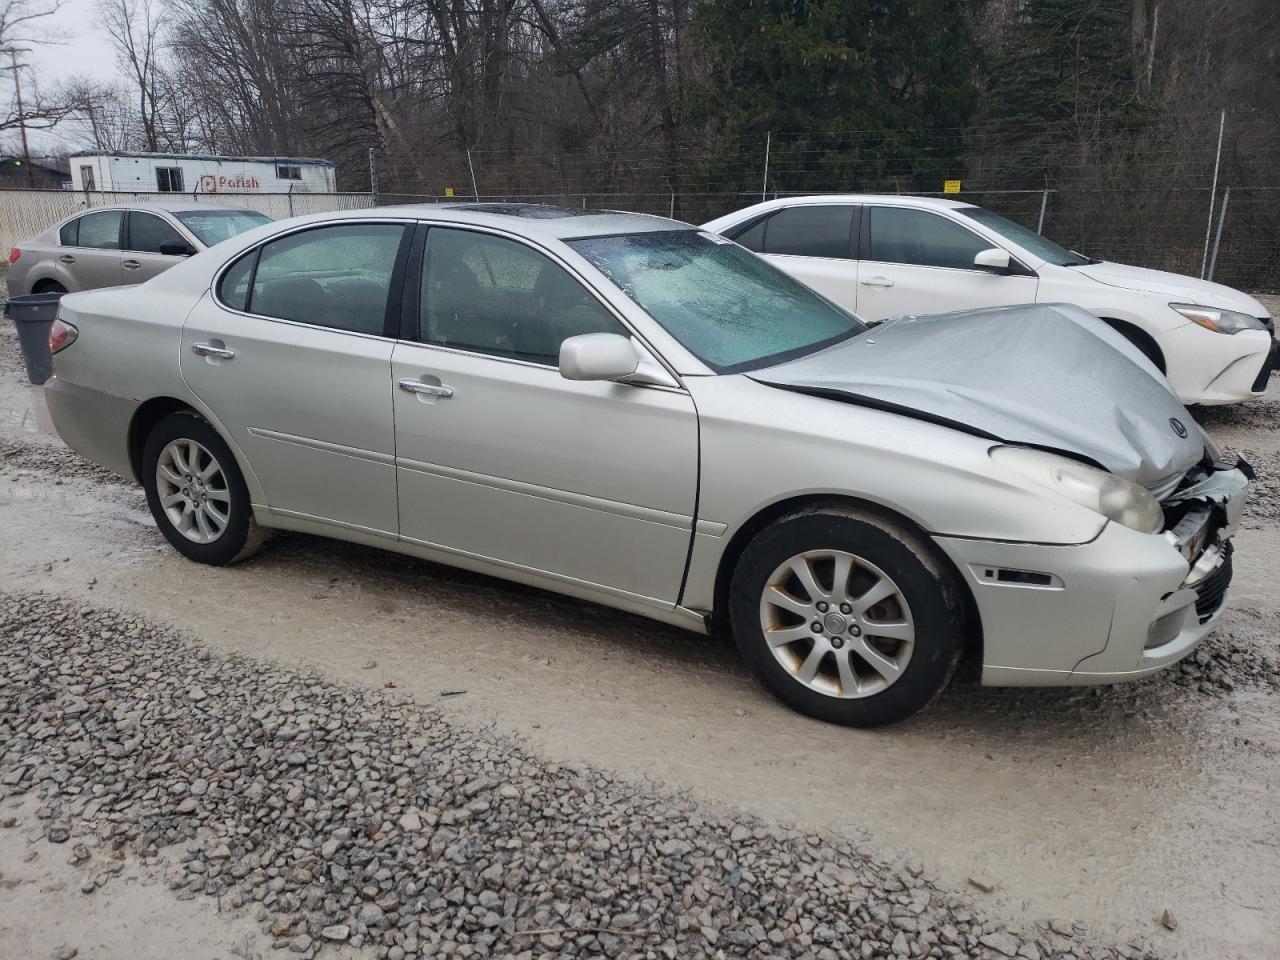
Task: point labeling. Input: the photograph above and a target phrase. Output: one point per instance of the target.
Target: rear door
(292, 357)
(94, 261)
(814, 243)
(144, 234)
(916, 262)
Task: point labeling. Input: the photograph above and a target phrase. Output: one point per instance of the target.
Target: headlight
(1114, 497)
(1219, 321)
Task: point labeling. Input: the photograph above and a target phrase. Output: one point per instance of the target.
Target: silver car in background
(114, 245)
(630, 410)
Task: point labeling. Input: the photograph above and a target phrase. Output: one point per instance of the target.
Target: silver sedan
(630, 410)
(114, 245)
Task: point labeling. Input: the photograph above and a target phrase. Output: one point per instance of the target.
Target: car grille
(1212, 589)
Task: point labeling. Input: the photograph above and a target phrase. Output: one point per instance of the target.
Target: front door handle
(877, 282)
(209, 350)
(66, 258)
(131, 264)
(441, 391)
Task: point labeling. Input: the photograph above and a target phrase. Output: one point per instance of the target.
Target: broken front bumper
(1121, 606)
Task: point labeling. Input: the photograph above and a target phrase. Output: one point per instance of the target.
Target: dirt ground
(1106, 806)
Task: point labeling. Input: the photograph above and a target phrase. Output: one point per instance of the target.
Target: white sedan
(885, 256)
(634, 411)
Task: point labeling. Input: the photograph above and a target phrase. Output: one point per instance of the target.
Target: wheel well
(43, 285)
(775, 511)
(1140, 339)
(144, 420)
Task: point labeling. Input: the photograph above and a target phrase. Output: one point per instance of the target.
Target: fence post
(475, 189)
(764, 187)
(291, 199)
(1217, 240)
(1213, 192)
(672, 213)
(1044, 202)
(373, 175)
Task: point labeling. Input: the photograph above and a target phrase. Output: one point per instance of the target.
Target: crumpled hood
(1178, 288)
(1046, 375)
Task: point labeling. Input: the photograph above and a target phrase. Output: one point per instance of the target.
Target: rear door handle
(441, 391)
(877, 282)
(66, 258)
(132, 264)
(209, 350)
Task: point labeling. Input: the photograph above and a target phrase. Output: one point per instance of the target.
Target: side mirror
(177, 248)
(598, 356)
(995, 260)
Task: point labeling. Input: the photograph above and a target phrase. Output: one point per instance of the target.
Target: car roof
(167, 206)
(534, 220)
(898, 199)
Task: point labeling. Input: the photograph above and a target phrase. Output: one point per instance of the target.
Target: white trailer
(196, 174)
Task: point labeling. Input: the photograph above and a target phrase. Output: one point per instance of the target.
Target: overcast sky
(83, 52)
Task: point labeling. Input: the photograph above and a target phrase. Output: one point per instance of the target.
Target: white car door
(291, 357)
(501, 459)
(917, 261)
(813, 243)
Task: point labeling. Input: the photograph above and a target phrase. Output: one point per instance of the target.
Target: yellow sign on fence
(448, 191)
(950, 186)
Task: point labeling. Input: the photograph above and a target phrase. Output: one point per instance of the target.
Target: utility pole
(22, 122)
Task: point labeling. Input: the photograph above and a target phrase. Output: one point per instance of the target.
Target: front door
(297, 365)
(502, 459)
(917, 262)
(143, 235)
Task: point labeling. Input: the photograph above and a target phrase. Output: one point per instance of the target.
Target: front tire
(196, 492)
(846, 617)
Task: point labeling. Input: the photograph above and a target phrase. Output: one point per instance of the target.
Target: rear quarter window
(233, 288)
(68, 236)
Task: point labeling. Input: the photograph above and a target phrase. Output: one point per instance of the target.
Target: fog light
(1166, 629)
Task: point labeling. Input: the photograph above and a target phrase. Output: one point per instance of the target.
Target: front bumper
(1122, 606)
(1210, 368)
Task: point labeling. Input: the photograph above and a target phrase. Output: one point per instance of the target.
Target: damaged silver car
(630, 410)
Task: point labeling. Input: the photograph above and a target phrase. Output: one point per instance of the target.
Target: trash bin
(33, 315)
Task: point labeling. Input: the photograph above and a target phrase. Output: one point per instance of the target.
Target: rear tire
(196, 492)
(48, 286)
(846, 617)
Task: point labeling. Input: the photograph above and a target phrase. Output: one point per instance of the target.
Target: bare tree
(134, 28)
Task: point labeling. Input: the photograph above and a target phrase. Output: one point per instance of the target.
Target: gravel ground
(339, 815)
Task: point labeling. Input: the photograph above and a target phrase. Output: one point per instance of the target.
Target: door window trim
(411, 303)
(855, 230)
(120, 235)
(390, 319)
(1016, 267)
(127, 237)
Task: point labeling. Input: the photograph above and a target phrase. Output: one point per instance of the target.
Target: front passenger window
(492, 295)
(338, 276)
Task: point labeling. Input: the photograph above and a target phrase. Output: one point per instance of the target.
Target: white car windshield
(1041, 246)
(214, 226)
(725, 305)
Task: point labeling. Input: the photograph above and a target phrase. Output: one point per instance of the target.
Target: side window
(753, 237)
(147, 232)
(233, 289)
(493, 295)
(68, 234)
(337, 276)
(899, 235)
(810, 231)
(100, 231)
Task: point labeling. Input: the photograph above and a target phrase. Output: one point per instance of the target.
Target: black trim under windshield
(731, 309)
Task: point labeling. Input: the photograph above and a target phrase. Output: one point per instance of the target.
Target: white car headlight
(1219, 321)
(1114, 497)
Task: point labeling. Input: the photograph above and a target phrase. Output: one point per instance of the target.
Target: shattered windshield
(725, 305)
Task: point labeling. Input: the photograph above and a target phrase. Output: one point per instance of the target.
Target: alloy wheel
(837, 623)
(193, 490)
